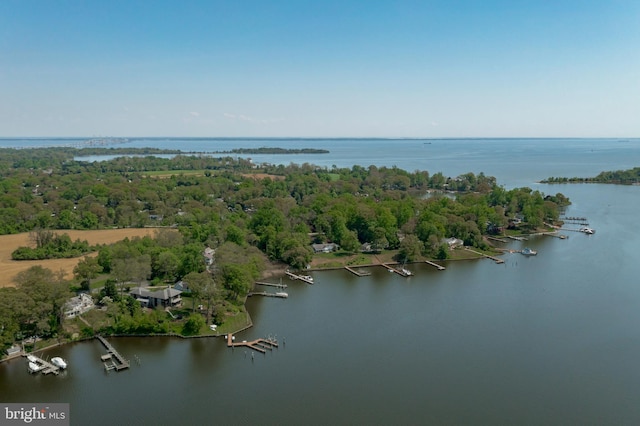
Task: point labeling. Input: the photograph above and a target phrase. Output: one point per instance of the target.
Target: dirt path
(8, 243)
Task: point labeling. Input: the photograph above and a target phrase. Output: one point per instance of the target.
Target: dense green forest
(621, 177)
(249, 214)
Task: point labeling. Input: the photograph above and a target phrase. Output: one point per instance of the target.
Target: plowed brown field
(8, 243)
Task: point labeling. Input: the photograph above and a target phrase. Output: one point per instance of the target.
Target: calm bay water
(551, 339)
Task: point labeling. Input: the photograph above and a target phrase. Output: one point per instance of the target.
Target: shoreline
(271, 271)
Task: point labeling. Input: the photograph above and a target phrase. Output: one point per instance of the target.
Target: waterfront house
(168, 297)
(324, 248)
(78, 305)
(454, 242)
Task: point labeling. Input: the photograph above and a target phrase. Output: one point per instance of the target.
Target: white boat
(282, 294)
(32, 358)
(59, 362)
(587, 230)
(307, 278)
(33, 367)
(528, 252)
(406, 272)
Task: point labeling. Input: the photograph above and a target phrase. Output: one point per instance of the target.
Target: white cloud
(194, 114)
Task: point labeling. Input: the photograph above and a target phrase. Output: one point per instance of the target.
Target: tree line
(621, 177)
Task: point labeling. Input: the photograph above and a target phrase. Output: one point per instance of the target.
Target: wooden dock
(402, 272)
(500, 240)
(495, 259)
(358, 273)
(117, 361)
(307, 279)
(259, 345)
(440, 267)
(45, 366)
(280, 294)
(271, 284)
(556, 235)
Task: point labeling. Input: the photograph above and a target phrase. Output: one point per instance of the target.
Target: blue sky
(320, 68)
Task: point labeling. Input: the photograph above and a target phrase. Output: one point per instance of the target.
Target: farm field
(8, 243)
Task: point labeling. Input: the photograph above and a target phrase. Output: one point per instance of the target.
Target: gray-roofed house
(168, 297)
(324, 248)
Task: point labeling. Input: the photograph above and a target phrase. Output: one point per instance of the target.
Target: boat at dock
(405, 272)
(32, 358)
(59, 362)
(529, 252)
(587, 230)
(34, 367)
(307, 278)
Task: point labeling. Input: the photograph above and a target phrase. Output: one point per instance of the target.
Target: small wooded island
(619, 177)
(222, 224)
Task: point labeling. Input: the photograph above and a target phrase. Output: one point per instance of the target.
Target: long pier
(117, 361)
(280, 294)
(358, 273)
(271, 284)
(403, 272)
(556, 235)
(500, 240)
(495, 259)
(440, 267)
(259, 345)
(304, 278)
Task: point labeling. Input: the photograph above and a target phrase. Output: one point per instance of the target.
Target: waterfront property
(78, 305)
(324, 248)
(168, 297)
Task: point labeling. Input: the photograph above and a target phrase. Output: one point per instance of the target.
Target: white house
(454, 242)
(78, 305)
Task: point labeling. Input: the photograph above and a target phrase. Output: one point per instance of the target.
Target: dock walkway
(280, 294)
(358, 273)
(440, 267)
(271, 284)
(304, 278)
(403, 272)
(495, 259)
(259, 345)
(117, 361)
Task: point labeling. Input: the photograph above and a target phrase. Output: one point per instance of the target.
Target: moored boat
(33, 367)
(406, 272)
(587, 230)
(528, 252)
(59, 362)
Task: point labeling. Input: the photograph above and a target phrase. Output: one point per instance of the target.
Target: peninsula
(224, 223)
